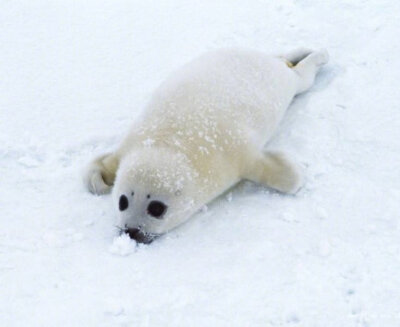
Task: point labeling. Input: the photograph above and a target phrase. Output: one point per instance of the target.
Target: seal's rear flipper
(307, 68)
(295, 56)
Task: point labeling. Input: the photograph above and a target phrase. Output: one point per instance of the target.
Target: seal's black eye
(123, 203)
(156, 209)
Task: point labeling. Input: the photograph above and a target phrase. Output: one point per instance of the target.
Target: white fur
(204, 130)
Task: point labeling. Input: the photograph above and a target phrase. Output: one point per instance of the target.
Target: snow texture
(74, 75)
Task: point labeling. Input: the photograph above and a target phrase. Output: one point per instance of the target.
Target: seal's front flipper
(276, 170)
(100, 174)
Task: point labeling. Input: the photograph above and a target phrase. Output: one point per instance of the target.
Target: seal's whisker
(120, 229)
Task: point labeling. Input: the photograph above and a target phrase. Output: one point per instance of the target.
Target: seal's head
(153, 192)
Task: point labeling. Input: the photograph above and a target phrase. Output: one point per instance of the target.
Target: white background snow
(74, 75)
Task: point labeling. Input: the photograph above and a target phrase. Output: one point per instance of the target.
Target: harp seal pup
(204, 130)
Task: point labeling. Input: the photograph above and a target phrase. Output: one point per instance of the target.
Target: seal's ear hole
(156, 209)
(148, 196)
(123, 203)
(133, 193)
(178, 192)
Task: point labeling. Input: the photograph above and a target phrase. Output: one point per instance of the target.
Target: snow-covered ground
(73, 76)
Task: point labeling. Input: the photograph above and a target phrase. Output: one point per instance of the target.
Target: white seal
(204, 130)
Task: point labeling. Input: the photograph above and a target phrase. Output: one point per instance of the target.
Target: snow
(74, 75)
(122, 245)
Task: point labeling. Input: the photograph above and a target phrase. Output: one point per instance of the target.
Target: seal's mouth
(139, 236)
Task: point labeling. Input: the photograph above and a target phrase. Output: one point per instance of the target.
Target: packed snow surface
(73, 77)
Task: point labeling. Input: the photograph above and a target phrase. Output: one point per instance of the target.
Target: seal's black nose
(140, 237)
